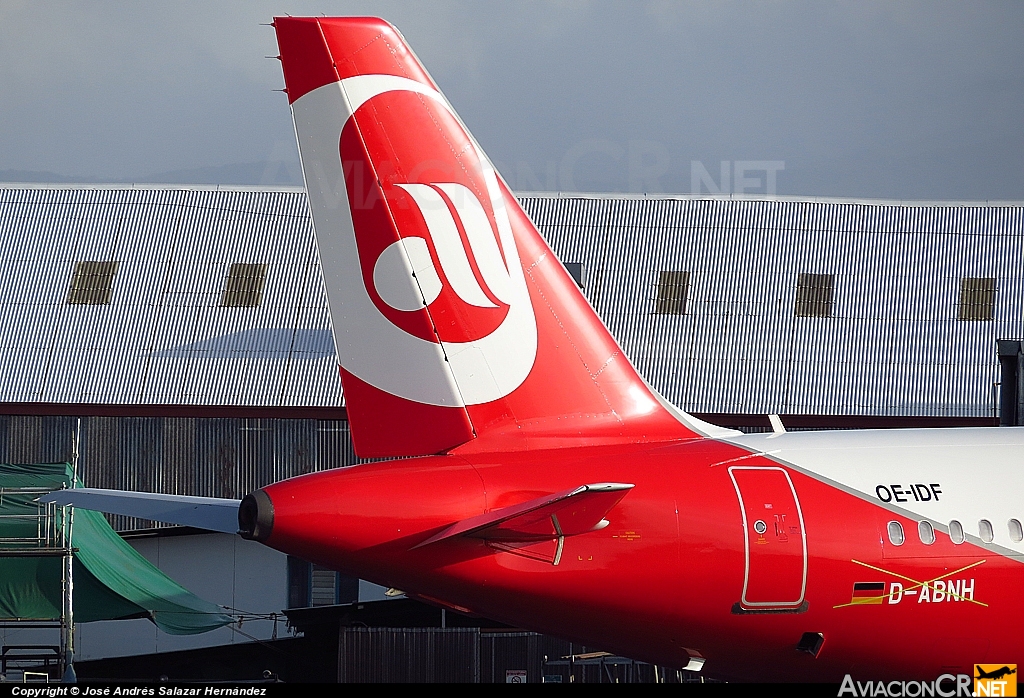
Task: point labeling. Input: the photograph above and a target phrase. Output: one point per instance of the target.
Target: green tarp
(111, 580)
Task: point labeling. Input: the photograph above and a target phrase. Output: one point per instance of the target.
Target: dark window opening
(92, 283)
(977, 299)
(575, 270)
(1011, 370)
(244, 287)
(673, 289)
(348, 589)
(298, 582)
(814, 295)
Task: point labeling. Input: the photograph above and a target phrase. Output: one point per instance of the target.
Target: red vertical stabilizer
(453, 320)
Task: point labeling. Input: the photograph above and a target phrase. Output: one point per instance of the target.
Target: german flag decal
(868, 592)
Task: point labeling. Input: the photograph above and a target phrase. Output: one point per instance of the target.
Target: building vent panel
(92, 283)
(977, 299)
(673, 290)
(323, 587)
(244, 286)
(814, 294)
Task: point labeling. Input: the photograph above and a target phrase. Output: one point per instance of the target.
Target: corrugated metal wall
(892, 347)
(469, 655)
(163, 339)
(175, 455)
(503, 651)
(409, 655)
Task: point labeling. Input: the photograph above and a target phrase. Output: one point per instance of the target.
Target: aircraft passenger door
(774, 540)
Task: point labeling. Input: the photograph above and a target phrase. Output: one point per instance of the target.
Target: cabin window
(926, 532)
(895, 533)
(985, 530)
(1016, 532)
(956, 532)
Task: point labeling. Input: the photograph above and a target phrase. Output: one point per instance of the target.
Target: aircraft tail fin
(453, 320)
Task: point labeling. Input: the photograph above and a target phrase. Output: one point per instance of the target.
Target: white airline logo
(369, 345)
(389, 272)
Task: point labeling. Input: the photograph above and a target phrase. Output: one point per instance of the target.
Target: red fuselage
(664, 580)
(457, 330)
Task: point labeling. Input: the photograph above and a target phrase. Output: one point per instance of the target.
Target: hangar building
(187, 328)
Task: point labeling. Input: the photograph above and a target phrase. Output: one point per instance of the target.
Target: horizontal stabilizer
(567, 513)
(207, 513)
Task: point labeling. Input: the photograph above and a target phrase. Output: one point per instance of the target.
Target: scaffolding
(53, 538)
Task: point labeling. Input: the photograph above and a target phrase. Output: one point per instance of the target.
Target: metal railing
(44, 530)
(48, 522)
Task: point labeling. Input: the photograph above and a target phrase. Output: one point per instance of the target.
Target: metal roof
(893, 345)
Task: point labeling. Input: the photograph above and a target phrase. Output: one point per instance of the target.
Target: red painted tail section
(455, 324)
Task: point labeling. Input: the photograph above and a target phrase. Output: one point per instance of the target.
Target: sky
(918, 100)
